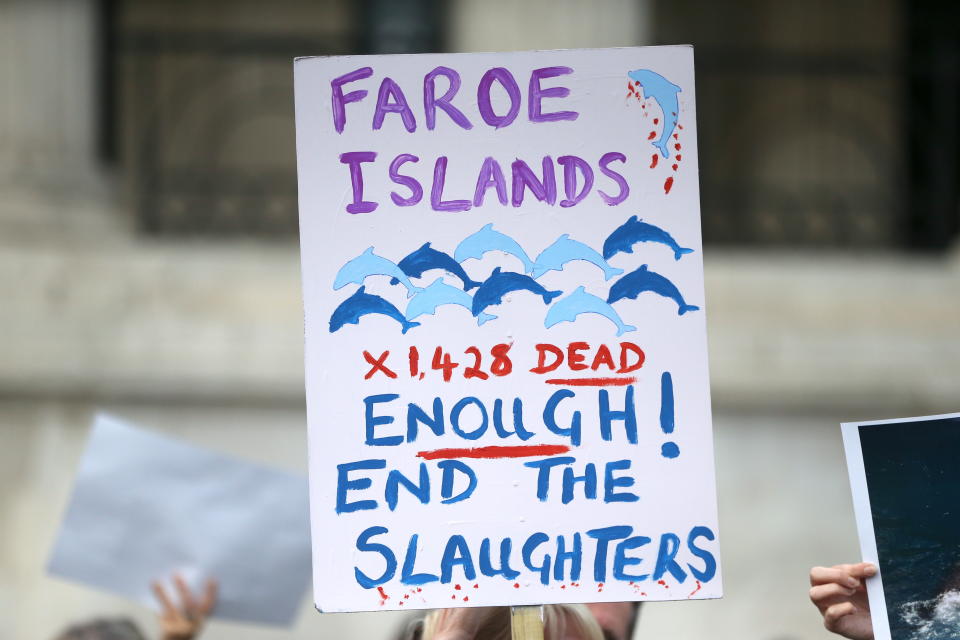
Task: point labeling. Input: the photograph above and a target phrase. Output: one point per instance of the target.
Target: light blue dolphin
(567, 309)
(664, 93)
(489, 239)
(437, 294)
(563, 251)
(370, 264)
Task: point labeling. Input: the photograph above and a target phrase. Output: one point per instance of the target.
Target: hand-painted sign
(507, 387)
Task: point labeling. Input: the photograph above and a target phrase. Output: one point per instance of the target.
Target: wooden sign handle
(526, 623)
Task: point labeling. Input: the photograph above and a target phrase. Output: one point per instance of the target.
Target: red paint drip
(453, 597)
(457, 587)
(663, 584)
(667, 184)
(476, 586)
(653, 160)
(592, 382)
(674, 167)
(383, 594)
(406, 597)
(677, 146)
(495, 452)
(419, 589)
(678, 157)
(680, 126)
(653, 134)
(695, 590)
(516, 585)
(563, 586)
(643, 593)
(656, 121)
(676, 136)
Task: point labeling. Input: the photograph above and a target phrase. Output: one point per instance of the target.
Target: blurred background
(149, 262)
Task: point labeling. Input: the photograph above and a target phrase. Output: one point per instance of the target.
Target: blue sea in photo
(913, 478)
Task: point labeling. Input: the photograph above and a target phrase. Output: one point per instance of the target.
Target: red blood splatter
(466, 598)
(636, 82)
(653, 134)
(674, 167)
(663, 584)
(643, 106)
(653, 160)
(563, 586)
(476, 586)
(631, 582)
(401, 603)
(383, 594)
(406, 596)
(676, 136)
(677, 146)
(516, 585)
(667, 184)
(695, 590)
(419, 589)
(457, 587)
(678, 157)
(643, 593)
(656, 121)
(680, 126)
(453, 597)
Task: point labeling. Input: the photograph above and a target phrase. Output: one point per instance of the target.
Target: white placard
(906, 485)
(145, 506)
(457, 211)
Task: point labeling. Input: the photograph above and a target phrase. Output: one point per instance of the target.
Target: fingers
(187, 600)
(165, 603)
(209, 597)
(825, 595)
(834, 614)
(849, 575)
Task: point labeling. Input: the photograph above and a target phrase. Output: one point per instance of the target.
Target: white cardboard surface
(676, 501)
(145, 506)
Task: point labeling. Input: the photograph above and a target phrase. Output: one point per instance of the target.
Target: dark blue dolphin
(636, 282)
(360, 304)
(502, 282)
(426, 258)
(635, 230)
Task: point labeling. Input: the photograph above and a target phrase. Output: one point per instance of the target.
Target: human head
(560, 622)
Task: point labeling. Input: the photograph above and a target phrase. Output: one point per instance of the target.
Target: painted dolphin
(636, 230)
(360, 304)
(489, 239)
(563, 251)
(567, 309)
(665, 93)
(438, 294)
(370, 264)
(502, 282)
(636, 282)
(426, 258)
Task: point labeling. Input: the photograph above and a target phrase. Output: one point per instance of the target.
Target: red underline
(592, 382)
(524, 451)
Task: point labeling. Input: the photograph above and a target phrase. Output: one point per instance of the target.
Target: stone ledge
(204, 322)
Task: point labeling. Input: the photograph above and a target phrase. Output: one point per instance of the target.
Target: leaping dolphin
(360, 304)
(664, 93)
(563, 251)
(489, 239)
(370, 264)
(636, 282)
(426, 258)
(635, 230)
(502, 282)
(438, 294)
(567, 309)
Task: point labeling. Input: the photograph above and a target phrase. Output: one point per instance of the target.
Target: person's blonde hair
(493, 623)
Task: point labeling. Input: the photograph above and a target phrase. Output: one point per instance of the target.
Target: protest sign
(905, 482)
(145, 506)
(507, 386)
